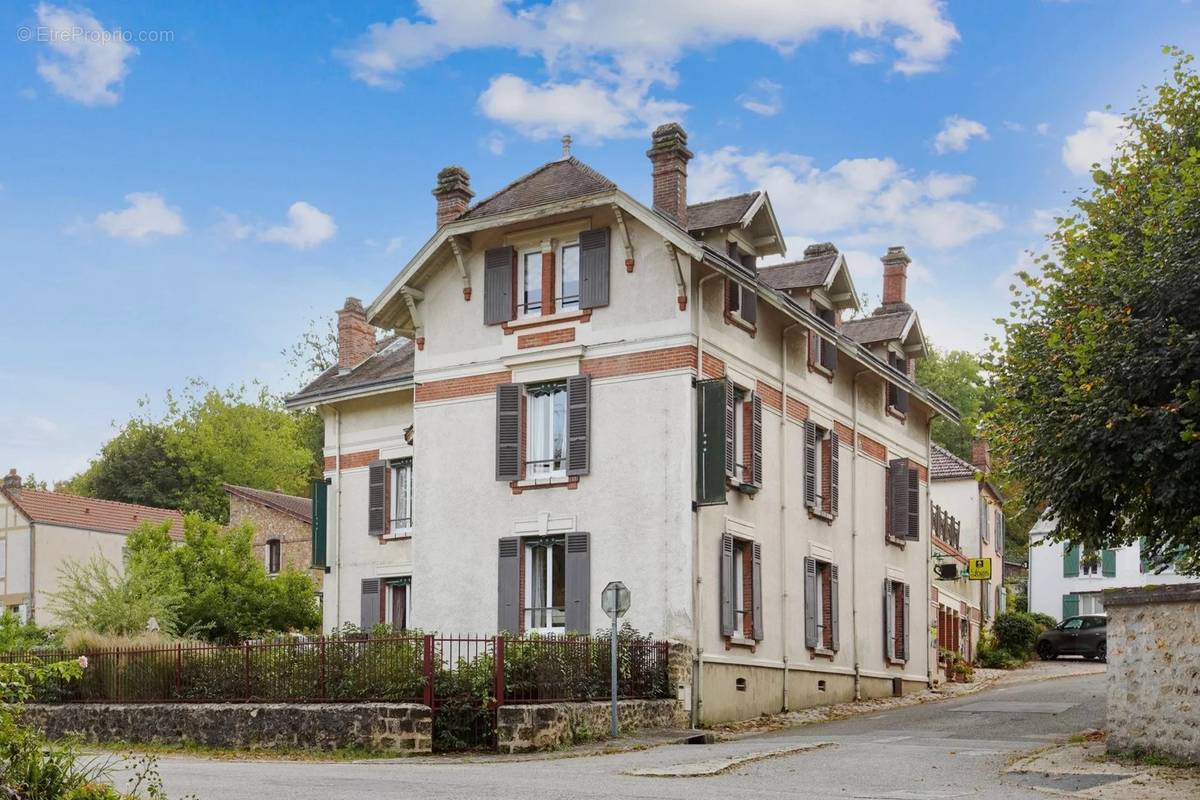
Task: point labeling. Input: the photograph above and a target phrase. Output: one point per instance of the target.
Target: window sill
(740, 641)
(521, 323)
(397, 536)
(892, 411)
(892, 540)
(896, 662)
(825, 516)
(738, 322)
(822, 652)
(518, 487)
(822, 370)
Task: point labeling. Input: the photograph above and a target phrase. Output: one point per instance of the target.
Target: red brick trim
(352, 460)
(536, 322)
(547, 282)
(682, 357)
(872, 448)
(771, 397)
(542, 338)
(845, 433)
(713, 367)
(468, 386)
(570, 483)
(797, 410)
(922, 473)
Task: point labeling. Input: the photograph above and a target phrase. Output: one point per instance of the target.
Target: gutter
(301, 401)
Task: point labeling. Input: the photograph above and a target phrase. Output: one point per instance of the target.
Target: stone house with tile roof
(586, 388)
(41, 532)
(282, 528)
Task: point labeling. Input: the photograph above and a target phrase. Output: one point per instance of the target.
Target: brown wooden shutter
(498, 274)
(594, 268)
(810, 602)
(756, 440)
(369, 611)
(834, 447)
(578, 583)
(833, 607)
(756, 587)
(508, 432)
(889, 620)
(730, 432)
(579, 396)
(509, 581)
(897, 498)
(912, 529)
(377, 498)
(749, 310)
(907, 621)
(810, 463)
(728, 609)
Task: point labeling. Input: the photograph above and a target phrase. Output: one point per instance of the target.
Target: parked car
(1085, 636)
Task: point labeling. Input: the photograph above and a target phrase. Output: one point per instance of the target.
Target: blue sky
(181, 199)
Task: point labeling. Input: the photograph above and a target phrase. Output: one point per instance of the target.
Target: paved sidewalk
(1084, 770)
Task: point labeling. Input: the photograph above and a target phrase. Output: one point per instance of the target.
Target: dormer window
(897, 397)
(822, 351)
(530, 304)
(568, 277)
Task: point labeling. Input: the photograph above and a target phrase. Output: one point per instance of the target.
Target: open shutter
(510, 585)
(508, 432)
(376, 497)
(320, 522)
(750, 304)
(829, 354)
(912, 530)
(756, 591)
(1108, 563)
(579, 394)
(810, 602)
(810, 464)
(369, 617)
(710, 441)
(889, 621)
(833, 605)
(1070, 605)
(498, 273)
(834, 447)
(983, 519)
(579, 583)
(1000, 533)
(898, 497)
(907, 622)
(728, 609)
(593, 268)
(756, 440)
(731, 456)
(1071, 560)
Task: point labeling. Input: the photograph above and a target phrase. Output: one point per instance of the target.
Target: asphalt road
(950, 749)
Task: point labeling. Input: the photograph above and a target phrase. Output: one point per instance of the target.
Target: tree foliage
(1098, 383)
(957, 377)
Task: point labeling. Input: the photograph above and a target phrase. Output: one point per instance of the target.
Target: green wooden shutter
(579, 394)
(594, 268)
(1070, 605)
(369, 607)
(710, 442)
(1071, 560)
(1108, 563)
(731, 456)
(810, 602)
(320, 522)
(498, 274)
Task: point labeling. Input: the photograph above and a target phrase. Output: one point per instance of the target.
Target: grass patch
(1149, 758)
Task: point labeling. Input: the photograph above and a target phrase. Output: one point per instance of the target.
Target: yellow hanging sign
(979, 569)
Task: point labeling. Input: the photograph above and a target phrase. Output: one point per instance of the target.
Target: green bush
(1044, 622)
(1016, 634)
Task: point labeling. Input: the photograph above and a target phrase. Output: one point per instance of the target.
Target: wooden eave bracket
(624, 235)
(411, 296)
(462, 267)
(679, 282)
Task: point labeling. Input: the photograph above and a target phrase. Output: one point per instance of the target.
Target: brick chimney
(356, 337)
(669, 154)
(981, 456)
(895, 279)
(453, 193)
(12, 481)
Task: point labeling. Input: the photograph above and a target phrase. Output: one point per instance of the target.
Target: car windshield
(1073, 624)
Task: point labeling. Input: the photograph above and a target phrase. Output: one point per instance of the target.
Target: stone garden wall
(1154, 671)
(549, 726)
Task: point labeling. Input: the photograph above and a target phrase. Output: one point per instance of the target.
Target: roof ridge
(572, 160)
(122, 503)
(262, 491)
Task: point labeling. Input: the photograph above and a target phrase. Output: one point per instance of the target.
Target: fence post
(499, 659)
(178, 670)
(246, 648)
(428, 670)
(322, 688)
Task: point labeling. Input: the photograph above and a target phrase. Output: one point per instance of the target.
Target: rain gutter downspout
(337, 597)
(854, 533)
(929, 663)
(783, 505)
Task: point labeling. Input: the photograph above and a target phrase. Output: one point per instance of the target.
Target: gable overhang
(762, 227)
(844, 295)
(912, 339)
(299, 402)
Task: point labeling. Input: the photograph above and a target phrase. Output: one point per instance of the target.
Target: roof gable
(720, 212)
(392, 364)
(89, 513)
(944, 465)
(552, 182)
(298, 507)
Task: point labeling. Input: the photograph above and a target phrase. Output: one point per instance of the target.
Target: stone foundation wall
(1154, 671)
(549, 726)
(397, 728)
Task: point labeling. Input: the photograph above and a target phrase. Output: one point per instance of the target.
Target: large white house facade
(586, 389)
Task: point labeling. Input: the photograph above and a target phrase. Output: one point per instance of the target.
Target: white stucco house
(583, 387)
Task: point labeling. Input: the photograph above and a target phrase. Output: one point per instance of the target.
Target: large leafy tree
(138, 465)
(1098, 381)
(957, 377)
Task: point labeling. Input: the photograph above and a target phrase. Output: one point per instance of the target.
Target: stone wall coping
(230, 706)
(1178, 593)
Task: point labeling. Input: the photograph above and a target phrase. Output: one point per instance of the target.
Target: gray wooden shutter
(377, 497)
(731, 457)
(829, 354)
(710, 442)
(320, 516)
(912, 530)
(983, 520)
(509, 576)
(728, 609)
(579, 396)
(810, 602)
(508, 432)
(593, 268)
(834, 448)
(889, 621)
(498, 271)
(898, 497)
(369, 616)
(579, 583)
(749, 310)
(756, 440)
(833, 605)
(810, 463)
(756, 591)
(907, 622)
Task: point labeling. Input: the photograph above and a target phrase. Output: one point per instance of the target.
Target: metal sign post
(615, 602)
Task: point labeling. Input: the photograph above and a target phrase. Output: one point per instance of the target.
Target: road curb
(720, 766)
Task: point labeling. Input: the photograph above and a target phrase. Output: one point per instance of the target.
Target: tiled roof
(723, 211)
(810, 271)
(944, 465)
(877, 327)
(56, 508)
(393, 361)
(298, 507)
(549, 183)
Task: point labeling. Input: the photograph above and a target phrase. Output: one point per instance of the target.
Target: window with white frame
(402, 497)
(546, 420)
(398, 603)
(567, 279)
(545, 585)
(740, 607)
(531, 284)
(739, 433)
(1091, 603)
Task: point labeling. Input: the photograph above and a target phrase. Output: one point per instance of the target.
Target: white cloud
(863, 57)
(956, 134)
(1094, 143)
(147, 215)
(1042, 128)
(231, 227)
(307, 226)
(765, 97)
(495, 143)
(394, 244)
(1015, 127)
(86, 62)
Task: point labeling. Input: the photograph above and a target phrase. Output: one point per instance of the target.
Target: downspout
(929, 663)
(698, 650)
(32, 571)
(783, 506)
(854, 534)
(337, 596)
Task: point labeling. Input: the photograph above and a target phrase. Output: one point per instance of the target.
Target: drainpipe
(783, 506)
(696, 583)
(929, 663)
(337, 596)
(854, 534)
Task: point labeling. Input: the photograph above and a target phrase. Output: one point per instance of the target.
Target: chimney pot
(356, 337)
(453, 193)
(566, 145)
(12, 481)
(981, 456)
(819, 249)
(669, 155)
(895, 280)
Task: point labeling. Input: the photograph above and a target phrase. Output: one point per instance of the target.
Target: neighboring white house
(585, 388)
(1065, 580)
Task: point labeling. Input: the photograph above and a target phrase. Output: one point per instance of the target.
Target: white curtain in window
(540, 429)
(538, 600)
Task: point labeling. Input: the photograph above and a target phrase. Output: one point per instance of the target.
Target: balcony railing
(947, 527)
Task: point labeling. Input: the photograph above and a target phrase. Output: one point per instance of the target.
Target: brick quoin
(469, 386)
(557, 336)
(351, 460)
(682, 357)
(771, 397)
(547, 282)
(713, 367)
(922, 473)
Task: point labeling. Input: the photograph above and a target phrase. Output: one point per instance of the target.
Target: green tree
(96, 596)
(1098, 383)
(957, 377)
(138, 465)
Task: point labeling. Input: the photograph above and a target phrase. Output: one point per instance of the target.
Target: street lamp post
(615, 602)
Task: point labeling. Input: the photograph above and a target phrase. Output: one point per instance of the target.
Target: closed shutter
(498, 274)
(829, 354)
(756, 591)
(593, 268)
(1001, 531)
(898, 498)
(509, 576)
(320, 522)
(370, 604)
(907, 621)
(983, 519)
(750, 305)
(889, 620)
(376, 498)
(834, 447)
(833, 606)
(984, 599)
(756, 440)
(710, 442)
(1071, 560)
(730, 433)
(1108, 563)
(508, 432)
(810, 602)
(728, 609)
(912, 531)
(579, 583)
(579, 395)
(1070, 605)
(810, 464)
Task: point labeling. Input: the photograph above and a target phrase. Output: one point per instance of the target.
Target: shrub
(1016, 634)
(1044, 622)
(17, 636)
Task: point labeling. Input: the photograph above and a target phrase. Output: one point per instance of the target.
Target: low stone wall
(397, 728)
(549, 726)
(1154, 671)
